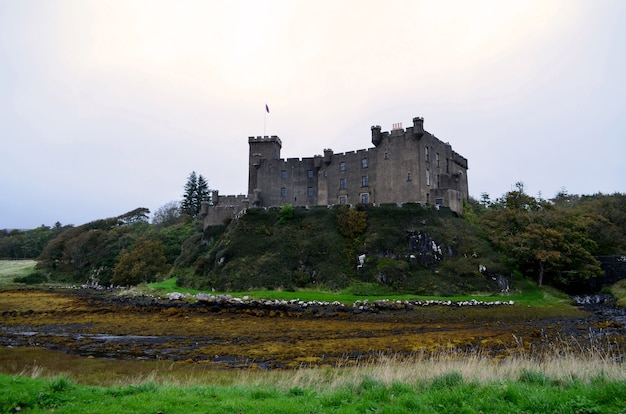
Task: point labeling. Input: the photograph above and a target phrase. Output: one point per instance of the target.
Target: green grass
(449, 392)
(10, 269)
(618, 290)
(527, 293)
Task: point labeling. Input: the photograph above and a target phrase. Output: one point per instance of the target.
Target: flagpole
(267, 110)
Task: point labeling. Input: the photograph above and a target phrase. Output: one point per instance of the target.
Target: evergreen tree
(202, 192)
(188, 205)
(196, 191)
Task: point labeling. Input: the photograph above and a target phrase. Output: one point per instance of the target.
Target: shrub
(32, 279)
(142, 264)
(286, 214)
(351, 222)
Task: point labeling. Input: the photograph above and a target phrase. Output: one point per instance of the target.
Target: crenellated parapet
(405, 165)
(265, 139)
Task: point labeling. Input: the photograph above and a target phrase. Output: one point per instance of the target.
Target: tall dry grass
(561, 360)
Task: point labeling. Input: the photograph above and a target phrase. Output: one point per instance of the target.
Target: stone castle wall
(405, 165)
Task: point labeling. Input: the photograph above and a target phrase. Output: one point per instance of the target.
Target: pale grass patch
(33, 371)
(563, 362)
(10, 269)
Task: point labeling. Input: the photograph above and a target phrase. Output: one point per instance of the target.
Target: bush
(286, 214)
(141, 264)
(32, 279)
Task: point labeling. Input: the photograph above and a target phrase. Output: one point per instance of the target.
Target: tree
(202, 192)
(540, 238)
(188, 205)
(141, 264)
(351, 222)
(541, 246)
(136, 216)
(167, 214)
(196, 191)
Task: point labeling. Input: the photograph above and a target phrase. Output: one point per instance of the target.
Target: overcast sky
(106, 106)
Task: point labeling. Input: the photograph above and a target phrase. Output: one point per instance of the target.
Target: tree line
(554, 241)
(122, 250)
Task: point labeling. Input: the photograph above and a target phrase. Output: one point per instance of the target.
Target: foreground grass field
(563, 377)
(360, 392)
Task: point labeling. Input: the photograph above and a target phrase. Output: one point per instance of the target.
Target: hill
(408, 248)
(564, 242)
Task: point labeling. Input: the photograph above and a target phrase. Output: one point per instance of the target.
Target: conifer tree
(188, 205)
(196, 191)
(202, 192)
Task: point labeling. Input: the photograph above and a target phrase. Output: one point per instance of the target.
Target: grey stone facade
(405, 165)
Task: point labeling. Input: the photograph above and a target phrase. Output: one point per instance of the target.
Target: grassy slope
(10, 269)
(528, 294)
(618, 290)
(530, 392)
(312, 248)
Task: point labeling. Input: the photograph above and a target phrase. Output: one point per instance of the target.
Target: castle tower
(261, 149)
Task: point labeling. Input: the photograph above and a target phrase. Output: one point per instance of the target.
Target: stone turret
(376, 135)
(418, 127)
(328, 156)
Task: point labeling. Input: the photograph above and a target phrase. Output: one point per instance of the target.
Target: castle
(405, 165)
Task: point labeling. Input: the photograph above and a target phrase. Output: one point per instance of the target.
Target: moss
(274, 337)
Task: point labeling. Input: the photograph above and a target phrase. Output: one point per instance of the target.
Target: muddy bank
(283, 334)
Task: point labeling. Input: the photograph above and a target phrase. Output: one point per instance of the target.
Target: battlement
(397, 129)
(363, 151)
(404, 165)
(264, 139)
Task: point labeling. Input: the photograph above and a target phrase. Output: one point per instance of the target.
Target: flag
(267, 109)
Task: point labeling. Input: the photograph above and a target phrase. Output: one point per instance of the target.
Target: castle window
(447, 165)
(309, 191)
(438, 180)
(342, 166)
(283, 174)
(364, 181)
(439, 201)
(343, 200)
(408, 176)
(364, 163)
(309, 174)
(437, 159)
(427, 177)
(342, 183)
(386, 155)
(325, 173)
(426, 153)
(365, 198)
(283, 192)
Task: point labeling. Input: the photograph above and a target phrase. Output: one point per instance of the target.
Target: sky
(107, 106)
